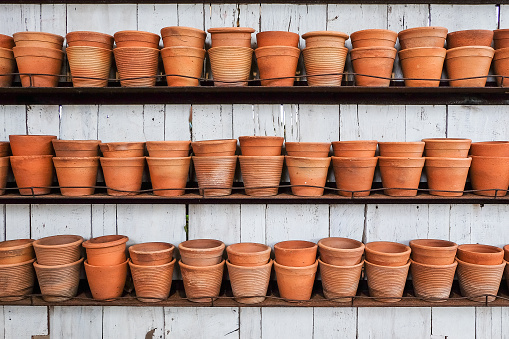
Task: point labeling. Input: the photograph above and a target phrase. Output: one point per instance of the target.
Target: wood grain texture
(17, 222)
(206, 322)
(52, 18)
(250, 320)
(23, 322)
(291, 322)
(13, 120)
(260, 120)
(212, 122)
(252, 223)
(279, 17)
(318, 123)
(453, 323)
(104, 220)
(19, 18)
(347, 221)
(213, 222)
(372, 122)
(331, 322)
(479, 123)
(49, 220)
(489, 322)
(191, 15)
(177, 122)
(460, 17)
(101, 17)
(79, 122)
(383, 323)
(75, 322)
(425, 122)
(133, 322)
(43, 119)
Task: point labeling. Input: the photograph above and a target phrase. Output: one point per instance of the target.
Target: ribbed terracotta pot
(355, 148)
(277, 62)
(122, 149)
(230, 36)
(90, 66)
(466, 62)
(277, 38)
(76, 148)
(16, 251)
(261, 174)
(400, 176)
(7, 67)
(186, 63)
(4, 173)
(375, 63)
(501, 38)
(137, 66)
(39, 60)
(248, 254)
(6, 41)
(38, 39)
(168, 148)
(324, 65)
(447, 176)
(221, 147)
(202, 283)
(386, 283)
(261, 145)
(489, 176)
(422, 63)
(308, 149)
(16, 280)
(57, 250)
(73, 173)
(490, 148)
(354, 176)
(500, 66)
(106, 250)
(151, 254)
(231, 66)
(295, 253)
(401, 149)
(249, 283)
(174, 36)
(31, 144)
(433, 251)
(476, 280)
(215, 174)
(123, 176)
(433, 36)
(432, 282)
(169, 175)
(305, 171)
(152, 283)
(340, 282)
(480, 254)
(201, 252)
(58, 282)
(340, 251)
(89, 38)
(106, 282)
(325, 39)
(387, 253)
(447, 147)
(34, 171)
(373, 38)
(470, 37)
(295, 283)
(136, 39)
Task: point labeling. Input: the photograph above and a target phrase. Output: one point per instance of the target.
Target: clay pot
(373, 38)
(16, 251)
(295, 253)
(506, 252)
(5, 149)
(169, 175)
(34, 171)
(58, 282)
(73, 173)
(38, 39)
(201, 252)
(107, 250)
(215, 174)
(202, 283)
(354, 176)
(207, 148)
(16, 280)
(308, 149)
(90, 66)
(340, 282)
(466, 62)
(477, 280)
(355, 148)
(277, 38)
(230, 36)
(38, 60)
(400, 176)
(500, 38)
(31, 144)
(307, 172)
(4, 173)
(123, 176)
(137, 66)
(261, 174)
(447, 176)
(324, 60)
(261, 145)
(490, 148)
(386, 283)
(295, 283)
(76, 148)
(340, 251)
(136, 39)
(249, 283)
(88, 38)
(277, 62)
(470, 37)
(447, 147)
(151, 254)
(6, 41)
(375, 63)
(7, 67)
(500, 66)
(248, 254)
(422, 37)
(325, 39)
(401, 149)
(168, 149)
(386, 253)
(433, 251)
(422, 63)
(480, 254)
(489, 175)
(231, 66)
(432, 282)
(184, 62)
(58, 249)
(106, 282)
(152, 283)
(122, 149)
(174, 36)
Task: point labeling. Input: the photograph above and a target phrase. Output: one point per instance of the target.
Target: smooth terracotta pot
(261, 174)
(31, 144)
(88, 38)
(470, 37)
(432, 282)
(249, 283)
(340, 251)
(506, 252)
(400, 176)
(152, 254)
(123, 176)
(106, 282)
(433, 251)
(324, 65)
(137, 66)
(152, 283)
(207, 148)
(230, 36)
(354, 176)
(168, 148)
(295, 253)
(186, 63)
(489, 176)
(447, 176)
(107, 250)
(136, 39)
(73, 173)
(7, 67)
(17, 280)
(231, 66)
(90, 66)
(422, 63)
(401, 149)
(375, 64)
(122, 149)
(248, 254)
(38, 39)
(202, 283)
(355, 148)
(35, 171)
(174, 36)
(306, 172)
(277, 38)
(169, 175)
(58, 282)
(386, 283)
(477, 280)
(201, 252)
(6, 41)
(466, 62)
(57, 250)
(4, 173)
(500, 38)
(387, 253)
(340, 282)
(490, 148)
(16, 251)
(373, 38)
(500, 66)
(295, 283)
(433, 36)
(261, 145)
(76, 148)
(325, 39)
(480, 254)
(308, 149)
(447, 147)
(215, 174)
(5, 149)
(38, 60)
(277, 62)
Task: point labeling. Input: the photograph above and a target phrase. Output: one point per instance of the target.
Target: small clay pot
(295, 283)
(215, 174)
(261, 145)
(433, 251)
(174, 36)
(324, 65)
(58, 282)
(277, 62)
(307, 172)
(340, 251)
(73, 173)
(38, 60)
(202, 283)
(106, 282)
(249, 283)
(168, 148)
(277, 38)
(295, 253)
(91, 39)
(373, 65)
(58, 249)
(230, 36)
(308, 149)
(480, 254)
(470, 37)
(340, 282)
(386, 253)
(34, 172)
(6, 41)
(432, 282)
(386, 283)
(401, 149)
(169, 175)
(500, 66)
(201, 252)
(152, 283)
(231, 66)
(325, 39)
(107, 250)
(355, 148)
(489, 175)
(7, 67)
(467, 62)
(354, 176)
(447, 176)
(76, 148)
(186, 63)
(433, 36)
(261, 174)
(425, 63)
(16, 280)
(31, 144)
(123, 176)
(137, 66)
(400, 176)
(248, 254)
(4, 173)
(136, 39)
(38, 40)
(207, 148)
(373, 38)
(447, 147)
(90, 66)
(16, 251)
(151, 253)
(490, 148)
(477, 280)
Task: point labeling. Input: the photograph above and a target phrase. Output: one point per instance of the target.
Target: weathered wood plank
(460, 17)
(250, 320)
(23, 322)
(177, 122)
(52, 18)
(332, 322)
(212, 122)
(191, 15)
(13, 121)
(209, 221)
(101, 18)
(19, 18)
(347, 221)
(43, 119)
(318, 123)
(252, 223)
(133, 322)
(248, 15)
(453, 323)
(425, 122)
(279, 17)
(258, 120)
(504, 16)
(79, 122)
(104, 220)
(75, 322)
(291, 322)
(201, 322)
(49, 220)
(17, 222)
(479, 123)
(387, 322)
(153, 17)
(489, 322)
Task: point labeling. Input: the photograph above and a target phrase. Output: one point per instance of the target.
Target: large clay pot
(106, 282)
(16, 280)
(433, 36)
(501, 38)
(168, 148)
(261, 145)
(58, 249)
(373, 38)
(277, 38)
(106, 250)
(201, 252)
(307, 172)
(447, 147)
(215, 174)
(16, 251)
(432, 282)
(38, 60)
(76, 148)
(447, 176)
(295, 253)
(295, 283)
(151, 253)
(480, 254)
(308, 149)
(174, 36)
(122, 149)
(90, 66)
(230, 36)
(231, 66)
(169, 175)
(489, 175)
(400, 176)
(88, 38)
(4, 173)
(401, 149)
(137, 66)
(340, 251)
(325, 39)
(58, 282)
(248, 254)
(375, 63)
(202, 283)
(31, 144)
(354, 176)
(136, 39)
(38, 39)
(386, 253)
(477, 280)
(6, 41)
(386, 283)
(7, 67)
(467, 62)
(123, 176)
(355, 148)
(152, 283)
(490, 148)
(422, 63)
(73, 173)
(261, 174)
(35, 171)
(277, 62)
(221, 147)
(470, 37)
(500, 66)
(186, 63)
(249, 283)
(340, 282)
(324, 65)
(433, 251)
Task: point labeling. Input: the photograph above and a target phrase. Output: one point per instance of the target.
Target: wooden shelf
(467, 2)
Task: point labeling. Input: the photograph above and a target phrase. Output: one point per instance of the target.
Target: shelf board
(475, 2)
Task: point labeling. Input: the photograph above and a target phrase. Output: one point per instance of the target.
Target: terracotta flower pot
(466, 62)
(374, 63)
(249, 283)
(137, 66)
(340, 282)
(90, 66)
(202, 283)
(174, 36)
(447, 176)
(432, 281)
(354, 176)
(136, 39)
(373, 38)
(307, 172)
(295, 253)
(38, 39)
(7, 67)
(207, 148)
(386, 253)
(401, 149)
(340, 251)
(490, 148)
(122, 149)
(480, 254)
(201, 252)
(168, 148)
(470, 37)
(500, 38)
(400, 176)
(123, 176)
(447, 147)
(422, 37)
(16, 251)
(433, 251)
(73, 173)
(152, 283)
(4, 173)
(500, 66)
(215, 174)
(5, 149)
(325, 39)
(506, 252)
(477, 280)
(277, 38)
(88, 38)
(308, 149)
(16, 280)
(151, 254)
(106, 282)
(76, 148)
(6, 41)
(295, 283)
(184, 62)
(58, 282)
(386, 283)
(38, 60)
(324, 65)
(355, 148)
(169, 175)
(277, 62)
(422, 63)
(58, 249)
(261, 174)
(230, 36)
(31, 144)
(261, 145)
(231, 66)
(35, 171)
(248, 254)
(489, 176)
(107, 250)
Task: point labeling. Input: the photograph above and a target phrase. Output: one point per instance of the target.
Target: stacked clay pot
(501, 56)
(202, 265)
(295, 267)
(7, 61)
(58, 266)
(17, 275)
(489, 171)
(183, 55)
(106, 266)
(4, 165)
(249, 267)
(340, 267)
(151, 267)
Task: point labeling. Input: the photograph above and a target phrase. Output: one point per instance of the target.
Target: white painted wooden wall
(261, 223)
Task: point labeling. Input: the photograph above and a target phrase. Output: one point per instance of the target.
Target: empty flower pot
(400, 176)
(123, 176)
(17, 280)
(307, 172)
(169, 175)
(500, 66)
(151, 254)
(386, 253)
(500, 38)
(5, 149)
(470, 37)
(432, 282)
(230, 36)
(168, 148)
(295, 283)
(308, 149)
(7, 67)
(355, 148)
(215, 174)
(202, 283)
(58, 282)
(340, 282)
(386, 283)
(489, 176)
(373, 38)
(277, 62)
(401, 149)
(261, 145)
(152, 283)
(231, 66)
(478, 280)
(174, 36)
(4, 172)
(33, 173)
(76, 148)
(136, 39)
(34, 61)
(447, 176)
(249, 283)
(468, 62)
(490, 148)
(122, 149)
(16, 251)
(248, 254)
(325, 39)
(423, 64)
(31, 144)
(480, 254)
(38, 39)
(447, 147)
(201, 252)
(221, 147)
(6, 41)
(90, 66)
(106, 281)
(277, 38)
(295, 253)
(58, 249)
(324, 65)
(261, 174)
(183, 65)
(373, 65)
(433, 36)
(88, 38)
(340, 251)
(107, 250)
(76, 176)
(433, 251)
(137, 66)
(354, 176)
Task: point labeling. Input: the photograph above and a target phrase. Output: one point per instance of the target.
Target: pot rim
(52, 267)
(454, 264)
(168, 29)
(486, 49)
(85, 262)
(360, 245)
(231, 30)
(218, 245)
(452, 162)
(388, 267)
(135, 48)
(27, 157)
(480, 265)
(307, 162)
(75, 239)
(148, 267)
(296, 268)
(342, 266)
(28, 262)
(201, 268)
(230, 249)
(423, 28)
(451, 140)
(6, 246)
(169, 248)
(470, 248)
(311, 245)
(405, 247)
(122, 162)
(248, 268)
(325, 33)
(417, 243)
(93, 243)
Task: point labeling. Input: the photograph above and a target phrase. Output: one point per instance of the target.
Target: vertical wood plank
(104, 220)
(252, 223)
(454, 323)
(133, 322)
(52, 18)
(366, 122)
(79, 122)
(318, 123)
(488, 322)
(250, 323)
(460, 17)
(17, 222)
(248, 15)
(258, 120)
(221, 322)
(347, 221)
(212, 122)
(75, 322)
(43, 119)
(13, 121)
(425, 122)
(209, 221)
(279, 17)
(387, 322)
(23, 322)
(19, 18)
(334, 322)
(504, 16)
(49, 220)
(479, 123)
(191, 15)
(291, 322)
(177, 122)
(153, 17)
(101, 18)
